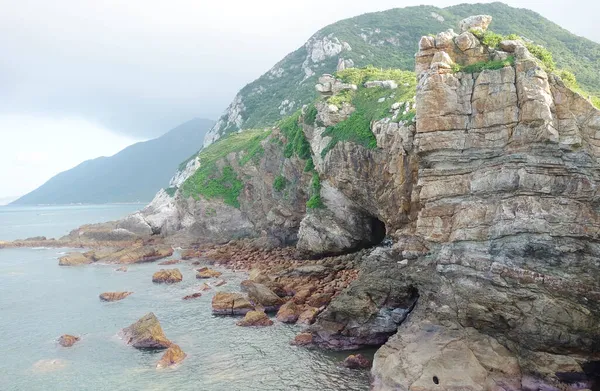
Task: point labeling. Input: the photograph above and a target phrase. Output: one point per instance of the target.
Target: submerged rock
(171, 262)
(173, 355)
(260, 294)
(67, 340)
(356, 361)
(74, 259)
(255, 318)
(302, 339)
(167, 276)
(230, 303)
(192, 296)
(121, 269)
(114, 296)
(146, 333)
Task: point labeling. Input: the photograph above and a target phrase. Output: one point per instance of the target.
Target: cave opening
(378, 231)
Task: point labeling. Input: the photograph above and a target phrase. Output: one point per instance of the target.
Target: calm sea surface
(40, 301)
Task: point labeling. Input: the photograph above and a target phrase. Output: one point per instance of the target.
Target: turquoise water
(39, 301)
(21, 222)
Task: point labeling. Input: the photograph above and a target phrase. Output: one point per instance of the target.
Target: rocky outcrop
(132, 254)
(506, 194)
(114, 296)
(255, 318)
(192, 296)
(167, 276)
(173, 355)
(146, 333)
(68, 340)
(231, 303)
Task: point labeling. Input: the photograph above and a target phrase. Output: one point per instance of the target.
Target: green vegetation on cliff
(371, 104)
(389, 39)
(296, 144)
(315, 202)
(216, 178)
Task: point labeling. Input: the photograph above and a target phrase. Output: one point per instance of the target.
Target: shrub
(280, 183)
(487, 65)
(171, 191)
(311, 115)
(315, 202)
(569, 79)
(542, 54)
(309, 166)
(492, 39)
(296, 143)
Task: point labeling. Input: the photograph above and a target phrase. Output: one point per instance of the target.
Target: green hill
(389, 39)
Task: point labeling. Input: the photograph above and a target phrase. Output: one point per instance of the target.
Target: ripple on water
(221, 356)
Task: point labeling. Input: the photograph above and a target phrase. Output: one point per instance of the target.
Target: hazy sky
(81, 79)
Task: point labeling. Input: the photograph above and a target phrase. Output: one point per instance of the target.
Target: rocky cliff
(477, 180)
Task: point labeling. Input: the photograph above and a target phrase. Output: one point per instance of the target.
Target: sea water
(39, 301)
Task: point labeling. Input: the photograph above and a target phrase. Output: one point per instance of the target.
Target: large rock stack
(507, 193)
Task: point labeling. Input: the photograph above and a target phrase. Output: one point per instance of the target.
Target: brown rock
(319, 300)
(208, 273)
(136, 254)
(167, 276)
(230, 303)
(172, 356)
(205, 287)
(67, 340)
(74, 259)
(255, 318)
(308, 316)
(146, 333)
(121, 269)
(260, 294)
(301, 296)
(356, 361)
(170, 262)
(114, 296)
(302, 339)
(192, 296)
(289, 312)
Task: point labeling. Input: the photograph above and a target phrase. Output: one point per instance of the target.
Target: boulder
(230, 303)
(479, 23)
(114, 296)
(207, 273)
(289, 312)
(356, 361)
(167, 276)
(255, 318)
(67, 340)
(146, 333)
(308, 316)
(260, 294)
(173, 355)
(319, 300)
(74, 259)
(192, 296)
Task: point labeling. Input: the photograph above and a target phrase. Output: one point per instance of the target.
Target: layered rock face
(507, 195)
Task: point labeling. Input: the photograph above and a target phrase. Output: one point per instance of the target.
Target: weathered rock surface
(171, 262)
(255, 318)
(114, 296)
(259, 294)
(167, 276)
(67, 340)
(192, 296)
(146, 333)
(74, 259)
(173, 355)
(231, 303)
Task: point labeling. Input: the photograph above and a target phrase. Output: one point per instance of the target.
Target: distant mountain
(134, 174)
(389, 39)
